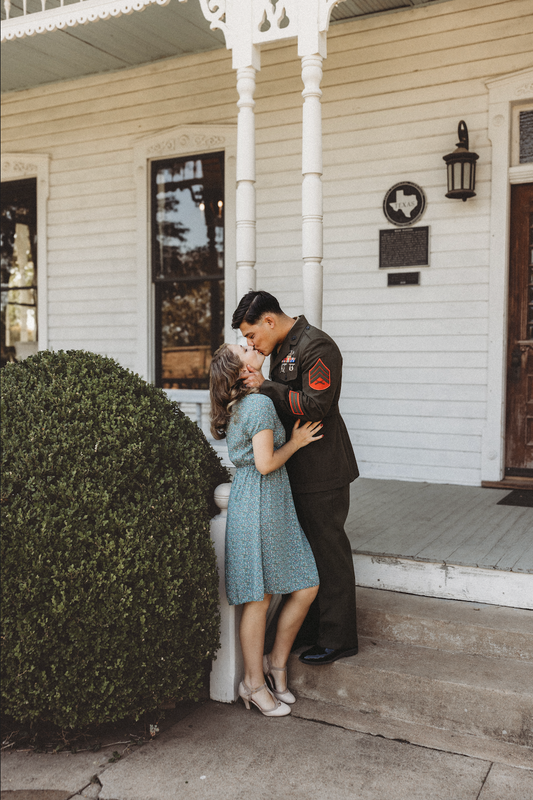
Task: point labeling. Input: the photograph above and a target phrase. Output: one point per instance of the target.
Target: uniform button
(307, 327)
(293, 338)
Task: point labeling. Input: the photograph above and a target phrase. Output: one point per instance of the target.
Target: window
(526, 136)
(187, 197)
(18, 270)
(522, 134)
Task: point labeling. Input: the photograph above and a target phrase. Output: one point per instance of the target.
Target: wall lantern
(461, 166)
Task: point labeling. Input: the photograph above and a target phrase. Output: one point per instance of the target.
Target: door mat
(518, 497)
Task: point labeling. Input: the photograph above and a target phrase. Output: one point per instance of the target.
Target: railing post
(199, 415)
(228, 667)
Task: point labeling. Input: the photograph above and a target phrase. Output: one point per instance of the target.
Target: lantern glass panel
(457, 175)
(467, 175)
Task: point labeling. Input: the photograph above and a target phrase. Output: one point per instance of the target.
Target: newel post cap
(222, 497)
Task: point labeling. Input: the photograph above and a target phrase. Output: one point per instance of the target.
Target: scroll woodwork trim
(71, 15)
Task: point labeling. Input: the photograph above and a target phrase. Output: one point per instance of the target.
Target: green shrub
(109, 580)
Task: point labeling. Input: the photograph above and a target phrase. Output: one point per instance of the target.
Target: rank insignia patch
(319, 376)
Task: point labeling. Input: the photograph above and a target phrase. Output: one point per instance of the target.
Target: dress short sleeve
(260, 414)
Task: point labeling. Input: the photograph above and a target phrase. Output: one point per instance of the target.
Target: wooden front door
(519, 421)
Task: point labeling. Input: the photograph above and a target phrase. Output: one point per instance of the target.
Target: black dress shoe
(325, 655)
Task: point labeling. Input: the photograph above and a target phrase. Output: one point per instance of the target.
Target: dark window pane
(526, 136)
(190, 330)
(188, 217)
(18, 240)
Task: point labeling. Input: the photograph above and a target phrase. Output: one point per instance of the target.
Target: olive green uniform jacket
(305, 384)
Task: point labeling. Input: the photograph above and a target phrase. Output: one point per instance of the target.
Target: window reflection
(18, 270)
(191, 320)
(188, 266)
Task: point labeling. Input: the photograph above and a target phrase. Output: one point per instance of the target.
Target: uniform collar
(290, 341)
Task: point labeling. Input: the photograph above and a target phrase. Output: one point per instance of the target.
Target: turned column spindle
(245, 212)
(312, 213)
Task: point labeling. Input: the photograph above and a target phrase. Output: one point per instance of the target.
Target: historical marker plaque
(404, 247)
(404, 203)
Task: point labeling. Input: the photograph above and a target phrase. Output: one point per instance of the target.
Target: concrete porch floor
(433, 533)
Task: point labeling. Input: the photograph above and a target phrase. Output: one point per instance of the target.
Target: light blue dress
(266, 550)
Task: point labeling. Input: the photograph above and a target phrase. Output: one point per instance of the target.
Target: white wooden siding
(395, 87)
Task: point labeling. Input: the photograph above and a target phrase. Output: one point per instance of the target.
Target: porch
(441, 540)
(440, 673)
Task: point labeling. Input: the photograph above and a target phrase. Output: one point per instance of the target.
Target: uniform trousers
(331, 621)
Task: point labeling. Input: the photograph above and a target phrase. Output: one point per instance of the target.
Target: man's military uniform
(305, 384)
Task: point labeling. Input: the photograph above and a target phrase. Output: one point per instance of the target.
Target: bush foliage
(109, 580)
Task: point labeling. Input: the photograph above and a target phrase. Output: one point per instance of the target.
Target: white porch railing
(192, 402)
(195, 403)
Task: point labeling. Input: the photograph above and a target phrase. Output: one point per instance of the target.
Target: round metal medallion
(404, 203)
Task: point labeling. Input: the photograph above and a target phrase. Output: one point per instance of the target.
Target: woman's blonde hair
(226, 388)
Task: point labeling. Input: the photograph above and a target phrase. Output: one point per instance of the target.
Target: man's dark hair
(252, 307)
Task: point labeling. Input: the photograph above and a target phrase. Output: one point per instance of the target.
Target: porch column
(312, 213)
(245, 212)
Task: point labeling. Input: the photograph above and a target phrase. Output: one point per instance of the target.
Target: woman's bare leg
(252, 634)
(290, 620)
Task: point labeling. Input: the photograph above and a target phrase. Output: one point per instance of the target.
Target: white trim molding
(504, 94)
(68, 16)
(187, 140)
(451, 581)
(16, 166)
(521, 174)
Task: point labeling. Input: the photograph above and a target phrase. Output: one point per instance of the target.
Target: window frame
(19, 166)
(187, 140)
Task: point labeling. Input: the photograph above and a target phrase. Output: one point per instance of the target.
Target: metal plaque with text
(404, 247)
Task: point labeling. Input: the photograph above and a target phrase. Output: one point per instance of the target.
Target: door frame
(505, 94)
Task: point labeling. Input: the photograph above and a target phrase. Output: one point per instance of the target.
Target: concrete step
(454, 691)
(453, 625)
(427, 736)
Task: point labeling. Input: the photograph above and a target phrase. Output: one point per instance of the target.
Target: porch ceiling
(117, 43)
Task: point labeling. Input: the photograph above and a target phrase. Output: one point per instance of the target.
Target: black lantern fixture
(461, 166)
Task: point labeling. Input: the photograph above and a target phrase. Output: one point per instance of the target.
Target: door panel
(519, 421)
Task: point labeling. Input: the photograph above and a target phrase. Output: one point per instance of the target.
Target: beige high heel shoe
(279, 710)
(285, 696)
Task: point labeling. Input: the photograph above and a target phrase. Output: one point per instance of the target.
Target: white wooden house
(97, 112)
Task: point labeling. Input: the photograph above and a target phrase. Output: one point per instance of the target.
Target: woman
(266, 550)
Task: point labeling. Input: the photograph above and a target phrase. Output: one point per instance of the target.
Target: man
(305, 384)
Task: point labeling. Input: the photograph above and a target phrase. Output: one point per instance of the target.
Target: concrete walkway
(225, 752)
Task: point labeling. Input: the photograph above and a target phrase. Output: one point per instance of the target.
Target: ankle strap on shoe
(275, 669)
